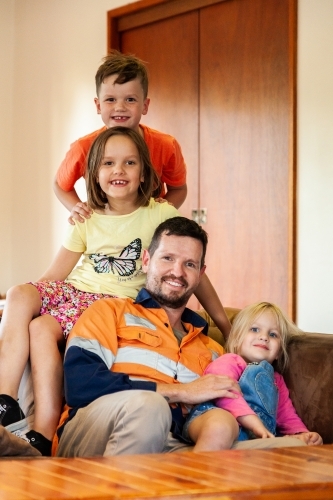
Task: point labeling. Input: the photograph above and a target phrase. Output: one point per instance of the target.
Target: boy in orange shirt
(122, 90)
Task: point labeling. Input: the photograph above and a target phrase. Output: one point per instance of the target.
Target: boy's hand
(163, 200)
(309, 438)
(80, 212)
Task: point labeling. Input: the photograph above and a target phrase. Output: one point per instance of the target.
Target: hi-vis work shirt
(122, 344)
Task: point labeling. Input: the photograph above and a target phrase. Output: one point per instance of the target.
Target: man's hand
(80, 212)
(309, 438)
(203, 389)
(255, 425)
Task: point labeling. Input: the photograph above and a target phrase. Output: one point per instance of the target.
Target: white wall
(47, 93)
(6, 121)
(315, 165)
(49, 53)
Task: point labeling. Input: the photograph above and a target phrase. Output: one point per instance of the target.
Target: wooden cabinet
(222, 81)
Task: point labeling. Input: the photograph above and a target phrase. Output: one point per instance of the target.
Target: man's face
(174, 270)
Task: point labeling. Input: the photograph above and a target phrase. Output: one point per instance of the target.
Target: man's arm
(203, 389)
(176, 195)
(92, 348)
(87, 377)
(208, 298)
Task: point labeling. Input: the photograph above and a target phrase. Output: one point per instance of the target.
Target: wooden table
(302, 473)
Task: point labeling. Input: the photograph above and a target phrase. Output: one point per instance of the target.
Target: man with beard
(133, 369)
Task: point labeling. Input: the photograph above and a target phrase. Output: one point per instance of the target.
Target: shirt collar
(146, 300)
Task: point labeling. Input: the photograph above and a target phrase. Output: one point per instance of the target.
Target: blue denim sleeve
(86, 378)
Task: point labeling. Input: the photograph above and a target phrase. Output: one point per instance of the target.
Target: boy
(122, 89)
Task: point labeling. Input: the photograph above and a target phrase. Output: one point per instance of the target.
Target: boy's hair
(245, 319)
(126, 66)
(179, 226)
(148, 188)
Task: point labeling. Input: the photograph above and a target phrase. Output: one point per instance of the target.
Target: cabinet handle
(199, 215)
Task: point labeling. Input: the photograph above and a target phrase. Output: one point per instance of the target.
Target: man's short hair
(179, 226)
(127, 66)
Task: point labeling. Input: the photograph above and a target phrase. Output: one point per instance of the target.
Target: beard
(173, 300)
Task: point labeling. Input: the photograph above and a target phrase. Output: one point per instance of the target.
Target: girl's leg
(22, 305)
(46, 338)
(213, 430)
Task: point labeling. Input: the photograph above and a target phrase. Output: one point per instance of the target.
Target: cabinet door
(245, 149)
(170, 47)
(222, 80)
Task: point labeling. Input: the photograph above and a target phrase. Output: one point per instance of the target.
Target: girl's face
(263, 340)
(120, 172)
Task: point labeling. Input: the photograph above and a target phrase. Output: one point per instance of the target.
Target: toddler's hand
(80, 212)
(309, 438)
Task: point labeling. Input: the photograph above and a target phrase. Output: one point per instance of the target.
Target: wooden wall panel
(244, 148)
(170, 48)
(222, 80)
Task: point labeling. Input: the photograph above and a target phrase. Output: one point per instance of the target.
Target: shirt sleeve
(174, 171)
(166, 156)
(287, 420)
(90, 353)
(232, 366)
(72, 167)
(75, 237)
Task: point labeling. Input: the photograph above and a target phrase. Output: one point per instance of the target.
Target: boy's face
(121, 104)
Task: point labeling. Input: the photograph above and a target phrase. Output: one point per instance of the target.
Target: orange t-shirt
(165, 154)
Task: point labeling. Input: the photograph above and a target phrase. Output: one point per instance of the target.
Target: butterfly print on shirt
(124, 265)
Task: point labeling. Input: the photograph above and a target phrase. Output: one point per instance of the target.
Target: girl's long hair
(245, 319)
(151, 185)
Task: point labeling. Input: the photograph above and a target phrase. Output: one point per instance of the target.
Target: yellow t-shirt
(112, 246)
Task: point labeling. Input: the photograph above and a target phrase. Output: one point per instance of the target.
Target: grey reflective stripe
(95, 347)
(214, 354)
(156, 361)
(184, 375)
(132, 320)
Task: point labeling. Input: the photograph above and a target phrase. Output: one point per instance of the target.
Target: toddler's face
(263, 340)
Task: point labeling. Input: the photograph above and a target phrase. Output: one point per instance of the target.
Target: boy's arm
(176, 195)
(208, 298)
(79, 210)
(63, 263)
(255, 425)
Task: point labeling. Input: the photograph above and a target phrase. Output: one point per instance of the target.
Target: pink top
(232, 365)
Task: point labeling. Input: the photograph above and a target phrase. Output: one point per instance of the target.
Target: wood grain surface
(279, 474)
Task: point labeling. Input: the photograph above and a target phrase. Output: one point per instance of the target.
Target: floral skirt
(65, 302)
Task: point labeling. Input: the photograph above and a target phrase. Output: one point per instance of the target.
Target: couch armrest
(309, 378)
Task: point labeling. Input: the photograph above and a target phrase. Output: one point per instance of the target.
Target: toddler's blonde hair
(245, 319)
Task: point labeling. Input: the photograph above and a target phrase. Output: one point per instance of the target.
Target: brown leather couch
(309, 376)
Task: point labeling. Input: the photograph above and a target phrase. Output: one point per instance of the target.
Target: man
(133, 368)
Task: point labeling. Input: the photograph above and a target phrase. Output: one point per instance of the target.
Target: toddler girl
(258, 340)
